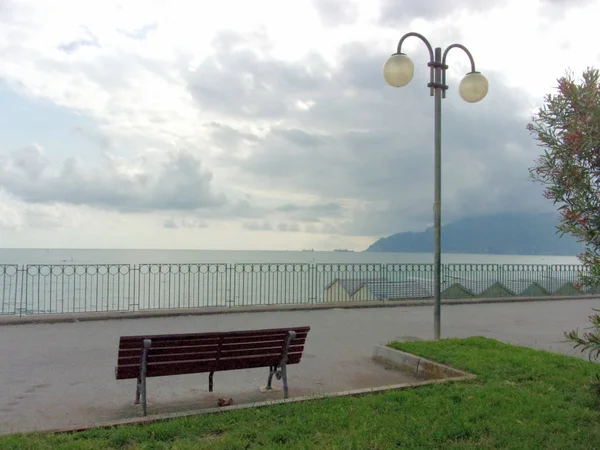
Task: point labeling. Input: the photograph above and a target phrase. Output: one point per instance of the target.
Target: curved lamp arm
(450, 47)
(431, 57)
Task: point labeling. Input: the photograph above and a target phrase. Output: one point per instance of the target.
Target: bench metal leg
(280, 371)
(272, 370)
(283, 371)
(283, 365)
(143, 373)
(137, 391)
(210, 382)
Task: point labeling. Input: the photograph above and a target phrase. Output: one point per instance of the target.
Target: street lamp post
(398, 70)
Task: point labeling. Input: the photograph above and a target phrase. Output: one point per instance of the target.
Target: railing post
(229, 297)
(131, 287)
(315, 291)
(311, 282)
(23, 289)
(542, 275)
(443, 278)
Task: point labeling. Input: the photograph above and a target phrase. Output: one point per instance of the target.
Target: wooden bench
(177, 354)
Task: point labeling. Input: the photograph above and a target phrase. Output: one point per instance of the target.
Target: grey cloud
(397, 12)
(179, 184)
(289, 207)
(10, 219)
(322, 229)
(230, 209)
(184, 222)
(359, 82)
(89, 40)
(228, 137)
(311, 229)
(30, 160)
(336, 12)
(403, 11)
(299, 137)
(73, 46)
(16, 215)
(567, 3)
(288, 227)
(233, 209)
(555, 9)
(258, 226)
(142, 32)
(170, 223)
(365, 141)
(94, 136)
(237, 82)
(311, 213)
(330, 229)
(34, 217)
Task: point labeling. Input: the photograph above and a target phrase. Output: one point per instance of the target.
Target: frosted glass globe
(473, 87)
(398, 70)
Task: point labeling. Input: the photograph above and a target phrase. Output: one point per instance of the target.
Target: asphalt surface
(62, 374)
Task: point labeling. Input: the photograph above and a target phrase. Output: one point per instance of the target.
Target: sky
(266, 124)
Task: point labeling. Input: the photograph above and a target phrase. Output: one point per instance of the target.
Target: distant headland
(498, 234)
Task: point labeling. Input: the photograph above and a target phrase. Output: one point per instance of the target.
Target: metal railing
(60, 289)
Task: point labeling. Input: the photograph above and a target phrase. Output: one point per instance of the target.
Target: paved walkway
(62, 374)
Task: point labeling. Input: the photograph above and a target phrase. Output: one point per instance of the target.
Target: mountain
(498, 234)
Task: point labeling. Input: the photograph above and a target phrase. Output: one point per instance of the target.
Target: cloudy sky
(265, 124)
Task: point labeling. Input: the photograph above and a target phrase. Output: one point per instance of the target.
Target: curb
(418, 366)
(93, 316)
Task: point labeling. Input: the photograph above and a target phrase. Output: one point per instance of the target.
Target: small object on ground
(271, 389)
(225, 401)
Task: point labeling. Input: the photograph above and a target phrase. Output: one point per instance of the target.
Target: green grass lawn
(522, 399)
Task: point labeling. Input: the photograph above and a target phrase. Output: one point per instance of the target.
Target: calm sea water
(95, 256)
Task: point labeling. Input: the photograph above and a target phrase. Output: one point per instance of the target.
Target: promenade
(62, 374)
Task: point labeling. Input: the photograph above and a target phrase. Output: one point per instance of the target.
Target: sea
(126, 256)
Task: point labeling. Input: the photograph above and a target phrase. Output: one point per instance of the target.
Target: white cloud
(273, 103)
(23, 217)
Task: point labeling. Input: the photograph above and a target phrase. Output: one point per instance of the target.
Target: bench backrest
(173, 354)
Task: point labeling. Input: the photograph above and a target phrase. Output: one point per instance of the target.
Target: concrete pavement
(61, 374)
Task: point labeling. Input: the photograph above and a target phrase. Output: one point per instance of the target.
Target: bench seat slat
(233, 352)
(152, 358)
(202, 366)
(229, 334)
(167, 350)
(265, 344)
(156, 342)
(207, 348)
